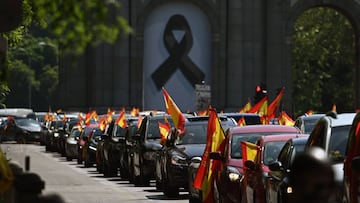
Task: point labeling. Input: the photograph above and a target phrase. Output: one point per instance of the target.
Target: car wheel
(170, 190)
(86, 161)
(194, 199)
(124, 174)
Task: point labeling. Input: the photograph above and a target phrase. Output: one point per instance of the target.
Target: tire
(170, 190)
(124, 174)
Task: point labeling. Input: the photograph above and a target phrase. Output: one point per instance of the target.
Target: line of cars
(134, 153)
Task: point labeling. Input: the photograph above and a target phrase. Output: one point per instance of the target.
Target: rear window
(338, 141)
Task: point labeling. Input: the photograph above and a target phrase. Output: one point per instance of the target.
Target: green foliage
(323, 61)
(77, 24)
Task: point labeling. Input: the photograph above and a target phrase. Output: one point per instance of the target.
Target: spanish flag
(249, 151)
(273, 107)
(172, 109)
(140, 118)
(241, 121)
(164, 131)
(215, 142)
(246, 107)
(285, 119)
(121, 120)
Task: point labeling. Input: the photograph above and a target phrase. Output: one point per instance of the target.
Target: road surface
(74, 183)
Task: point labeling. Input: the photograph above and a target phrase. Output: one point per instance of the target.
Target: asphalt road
(74, 183)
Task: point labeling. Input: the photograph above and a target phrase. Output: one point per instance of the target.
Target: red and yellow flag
(139, 121)
(121, 120)
(89, 116)
(215, 142)
(164, 131)
(172, 109)
(273, 107)
(249, 151)
(257, 107)
(285, 119)
(103, 123)
(241, 122)
(246, 107)
(134, 111)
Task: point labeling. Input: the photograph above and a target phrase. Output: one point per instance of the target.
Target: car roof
(342, 119)
(264, 128)
(299, 140)
(280, 137)
(311, 117)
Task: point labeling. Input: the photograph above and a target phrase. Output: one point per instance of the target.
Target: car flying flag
(173, 110)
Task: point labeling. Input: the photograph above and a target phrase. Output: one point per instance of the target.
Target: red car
(227, 181)
(256, 172)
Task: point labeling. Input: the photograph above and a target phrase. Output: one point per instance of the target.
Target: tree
(74, 24)
(323, 61)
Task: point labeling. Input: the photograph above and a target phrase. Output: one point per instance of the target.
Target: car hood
(153, 144)
(31, 128)
(191, 150)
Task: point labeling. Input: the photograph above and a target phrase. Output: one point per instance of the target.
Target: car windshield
(75, 133)
(309, 125)
(194, 134)
(337, 144)
(235, 150)
(153, 131)
(119, 131)
(28, 122)
(97, 133)
(271, 151)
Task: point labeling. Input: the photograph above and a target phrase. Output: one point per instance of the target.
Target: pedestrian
(312, 178)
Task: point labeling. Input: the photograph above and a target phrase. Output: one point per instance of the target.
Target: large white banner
(177, 55)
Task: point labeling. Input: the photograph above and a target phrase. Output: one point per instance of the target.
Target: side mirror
(216, 156)
(355, 164)
(276, 166)
(250, 165)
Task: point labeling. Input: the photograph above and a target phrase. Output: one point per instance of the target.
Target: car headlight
(178, 160)
(56, 134)
(233, 174)
(289, 190)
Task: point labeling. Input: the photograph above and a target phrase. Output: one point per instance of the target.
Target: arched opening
(323, 61)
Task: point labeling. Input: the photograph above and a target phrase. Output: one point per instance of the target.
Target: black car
(277, 186)
(175, 156)
(113, 147)
(20, 129)
(125, 149)
(145, 148)
(90, 147)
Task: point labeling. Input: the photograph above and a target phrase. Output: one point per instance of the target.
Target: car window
(271, 151)
(97, 133)
(309, 125)
(235, 151)
(194, 134)
(75, 133)
(338, 141)
(284, 154)
(119, 131)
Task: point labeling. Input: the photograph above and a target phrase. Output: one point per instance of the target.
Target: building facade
(231, 45)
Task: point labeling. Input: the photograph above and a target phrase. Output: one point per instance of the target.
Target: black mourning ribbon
(178, 54)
